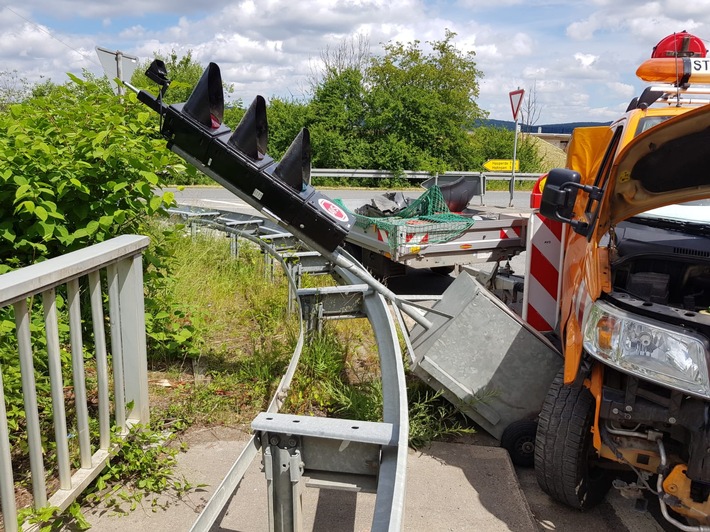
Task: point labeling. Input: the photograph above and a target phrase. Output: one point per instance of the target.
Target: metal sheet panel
(486, 360)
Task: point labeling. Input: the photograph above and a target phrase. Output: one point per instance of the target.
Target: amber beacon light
(676, 70)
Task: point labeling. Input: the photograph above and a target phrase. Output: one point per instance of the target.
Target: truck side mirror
(559, 194)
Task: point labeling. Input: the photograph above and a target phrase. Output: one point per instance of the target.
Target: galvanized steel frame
(391, 480)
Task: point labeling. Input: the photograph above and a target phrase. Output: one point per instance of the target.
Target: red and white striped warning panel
(416, 237)
(510, 232)
(543, 265)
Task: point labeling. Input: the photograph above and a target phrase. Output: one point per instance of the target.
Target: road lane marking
(235, 203)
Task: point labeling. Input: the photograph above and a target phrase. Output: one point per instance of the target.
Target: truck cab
(634, 318)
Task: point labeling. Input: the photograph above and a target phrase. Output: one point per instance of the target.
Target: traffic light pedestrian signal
(238, 159)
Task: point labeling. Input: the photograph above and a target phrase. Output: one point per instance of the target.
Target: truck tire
(563, 448)
(519, 440)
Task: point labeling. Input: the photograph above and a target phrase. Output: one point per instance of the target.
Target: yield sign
(516, 98)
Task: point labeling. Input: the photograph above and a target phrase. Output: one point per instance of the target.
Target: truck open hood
(669, 163)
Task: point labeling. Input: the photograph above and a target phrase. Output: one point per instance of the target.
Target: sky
(578, 58)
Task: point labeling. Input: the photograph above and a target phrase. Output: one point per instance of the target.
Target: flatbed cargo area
(424, 233)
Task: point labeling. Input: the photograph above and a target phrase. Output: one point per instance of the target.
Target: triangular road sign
(516, 98)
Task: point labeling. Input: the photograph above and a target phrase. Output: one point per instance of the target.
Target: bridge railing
(126, 367)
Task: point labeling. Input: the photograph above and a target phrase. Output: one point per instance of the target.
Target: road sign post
(516, 98)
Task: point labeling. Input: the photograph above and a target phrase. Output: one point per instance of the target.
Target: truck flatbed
(481, 236)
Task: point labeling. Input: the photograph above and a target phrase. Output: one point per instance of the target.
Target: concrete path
(449, 487)
(465, 486)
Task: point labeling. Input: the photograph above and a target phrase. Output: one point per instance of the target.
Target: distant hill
(544, 128)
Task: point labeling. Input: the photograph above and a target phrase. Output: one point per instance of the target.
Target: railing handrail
(36, 278)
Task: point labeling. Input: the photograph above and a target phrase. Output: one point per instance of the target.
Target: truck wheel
(519, 440)
(564, 454)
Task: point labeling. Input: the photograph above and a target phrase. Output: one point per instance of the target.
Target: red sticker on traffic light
(333, 210)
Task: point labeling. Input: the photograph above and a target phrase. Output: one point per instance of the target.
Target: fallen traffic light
(238, 160)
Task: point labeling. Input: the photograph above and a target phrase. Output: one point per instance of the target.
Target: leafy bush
(78, 167)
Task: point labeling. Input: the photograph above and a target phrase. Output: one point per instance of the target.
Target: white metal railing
(384, 174)
(121, 259)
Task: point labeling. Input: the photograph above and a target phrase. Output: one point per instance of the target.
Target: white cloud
(581, 58)
(585, 60)
(622, 89)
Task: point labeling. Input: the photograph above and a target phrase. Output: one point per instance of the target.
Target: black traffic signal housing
(238, 161)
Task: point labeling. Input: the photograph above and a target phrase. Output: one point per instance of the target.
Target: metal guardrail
(375, 456)
(121, 259)
(386, 174)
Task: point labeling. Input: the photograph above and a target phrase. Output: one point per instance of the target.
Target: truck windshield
(648, 122)
(688, 213)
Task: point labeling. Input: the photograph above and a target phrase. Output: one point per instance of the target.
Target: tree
(352, 53)
(13, 88)
(530, 109)
(286, 118)
(421, 105)
(77, 168)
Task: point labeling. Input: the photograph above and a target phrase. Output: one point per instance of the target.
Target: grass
(248, 339)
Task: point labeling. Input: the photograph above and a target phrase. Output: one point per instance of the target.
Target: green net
(426, 220)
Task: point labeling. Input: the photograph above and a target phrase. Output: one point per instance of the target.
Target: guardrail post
(234, 245)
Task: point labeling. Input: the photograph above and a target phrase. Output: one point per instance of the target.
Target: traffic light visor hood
(206, 103)
(251, 136)
(295, 167)
(158, 73)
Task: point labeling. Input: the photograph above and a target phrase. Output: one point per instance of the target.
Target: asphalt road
(221, 198)
(615, 513)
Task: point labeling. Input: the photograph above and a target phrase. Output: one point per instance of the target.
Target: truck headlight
(647, 348)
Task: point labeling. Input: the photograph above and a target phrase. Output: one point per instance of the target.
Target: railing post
(7, 485)
(132, 316)
(97, 317)
(29, 393)
(49, 302)
(77, 362)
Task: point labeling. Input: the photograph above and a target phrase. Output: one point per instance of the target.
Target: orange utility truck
(634, 304)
